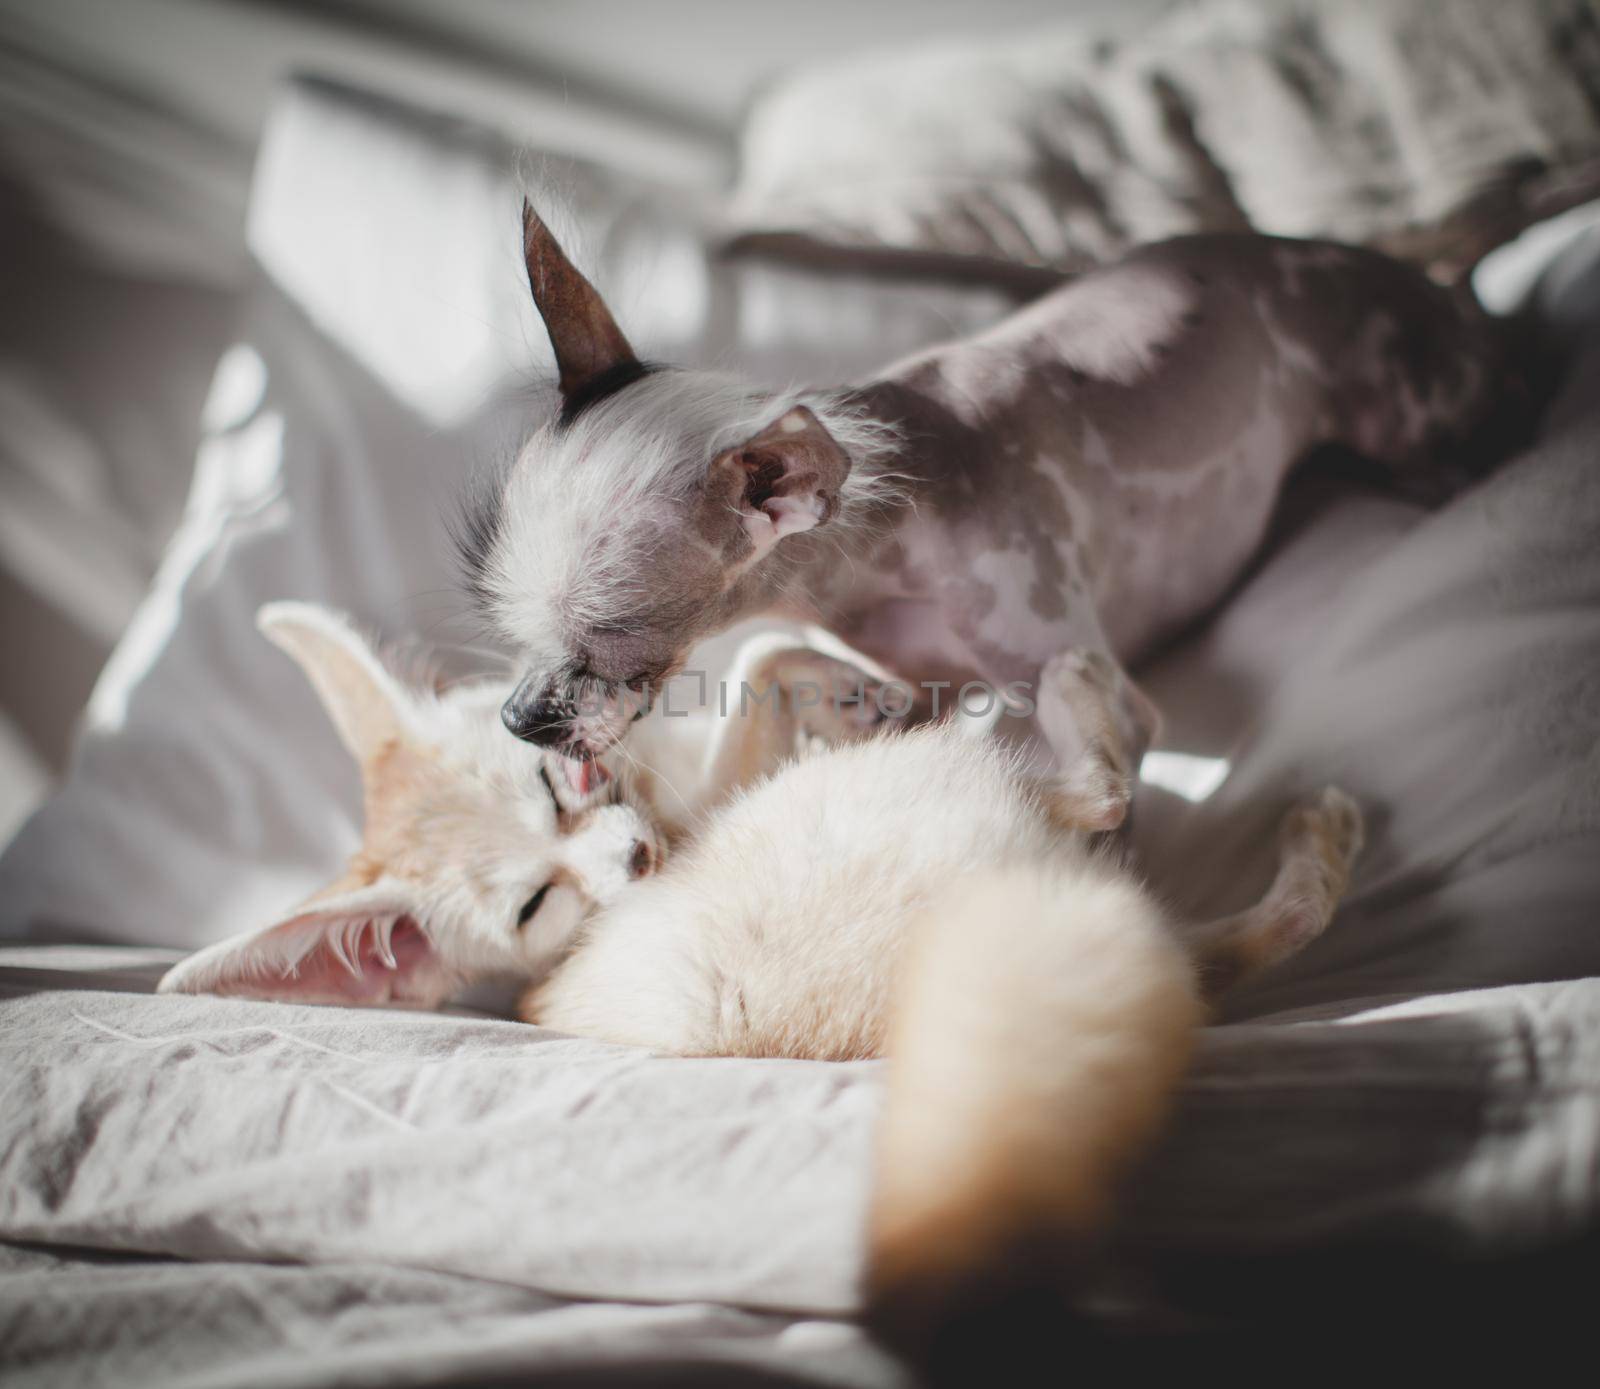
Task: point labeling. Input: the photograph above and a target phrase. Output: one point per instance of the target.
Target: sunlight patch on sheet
(238, 387)
(1184, 774)
(237, 491)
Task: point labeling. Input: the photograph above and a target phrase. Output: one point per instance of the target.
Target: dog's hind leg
(1098, 723)
(1318, 843)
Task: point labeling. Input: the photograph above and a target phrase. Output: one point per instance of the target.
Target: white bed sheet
(1443, 667)
(451, 1184)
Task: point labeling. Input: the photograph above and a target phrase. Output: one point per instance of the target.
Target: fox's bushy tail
(1042, 1023)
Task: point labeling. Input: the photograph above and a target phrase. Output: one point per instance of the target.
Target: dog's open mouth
(585, 774)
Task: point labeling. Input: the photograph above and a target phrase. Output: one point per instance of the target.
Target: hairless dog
(1033, 507)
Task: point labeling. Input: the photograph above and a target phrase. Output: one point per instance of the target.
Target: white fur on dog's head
(623, 537)
(584, 498)
(648, 514)
(479, 855)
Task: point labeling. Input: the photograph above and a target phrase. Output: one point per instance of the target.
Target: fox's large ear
(361, 947)
(366, 703)
(785, 479)
(588, 344)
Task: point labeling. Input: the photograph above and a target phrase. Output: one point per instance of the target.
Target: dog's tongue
(585, 775)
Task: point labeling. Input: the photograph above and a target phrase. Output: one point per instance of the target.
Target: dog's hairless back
(1099, 467)
(1090, 474)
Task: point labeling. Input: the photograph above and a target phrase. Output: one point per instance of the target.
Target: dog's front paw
(1079, 668)
(1108, 709)
(1093, 799)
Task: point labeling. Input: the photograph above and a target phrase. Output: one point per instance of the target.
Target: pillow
(386, 351)
(1442, 667)
(1436, 131)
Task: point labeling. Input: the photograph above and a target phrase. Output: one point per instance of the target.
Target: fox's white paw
(834, 701)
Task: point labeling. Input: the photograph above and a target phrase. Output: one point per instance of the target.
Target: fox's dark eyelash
(531, 906)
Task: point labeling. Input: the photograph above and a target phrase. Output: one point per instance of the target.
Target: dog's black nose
(534, 714)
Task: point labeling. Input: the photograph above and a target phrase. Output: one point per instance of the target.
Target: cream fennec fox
(481, 855)
(946, 910)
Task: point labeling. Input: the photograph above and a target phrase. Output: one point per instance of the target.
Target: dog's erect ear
(784, 480)
(360, 947)
(587, 342)
(366, 703)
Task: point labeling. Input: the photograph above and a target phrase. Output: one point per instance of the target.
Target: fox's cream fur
(1043, 1022)
(746, 947)
(920, 895)
(1036, 1004)
(464, 829)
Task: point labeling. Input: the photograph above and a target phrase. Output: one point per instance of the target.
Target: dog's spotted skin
(1099, 468)
(1092, 473)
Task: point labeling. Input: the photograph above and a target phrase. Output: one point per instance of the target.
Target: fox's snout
(612, 847)
(644, 859)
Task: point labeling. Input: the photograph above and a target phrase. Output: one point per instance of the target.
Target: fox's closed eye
(531, 906)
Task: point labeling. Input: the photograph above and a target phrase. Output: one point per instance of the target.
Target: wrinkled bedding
(446, 1188)
(218, 1192)
(1435, 131)
(455, 1182)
